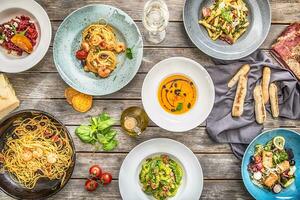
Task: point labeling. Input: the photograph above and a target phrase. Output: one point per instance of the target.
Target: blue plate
(68, 39)
(292, 140)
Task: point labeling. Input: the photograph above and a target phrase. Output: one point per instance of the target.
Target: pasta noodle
(225, 20)
(100, 41)
(37, 148)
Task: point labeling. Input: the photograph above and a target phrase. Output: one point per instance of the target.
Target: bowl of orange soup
(178, 94)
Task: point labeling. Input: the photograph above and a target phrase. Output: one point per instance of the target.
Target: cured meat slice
(287, 48)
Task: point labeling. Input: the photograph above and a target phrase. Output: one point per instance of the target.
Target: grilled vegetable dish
(225, 20)
(161, 177)
(272, 166)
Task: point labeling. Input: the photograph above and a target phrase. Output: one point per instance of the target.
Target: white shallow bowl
(205, 94)
(192, 182)
(10, 9)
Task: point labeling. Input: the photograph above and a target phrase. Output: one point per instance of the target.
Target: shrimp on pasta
(99, 49)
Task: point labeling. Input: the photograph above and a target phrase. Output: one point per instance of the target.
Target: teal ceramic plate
(292, 141)
(68, 39)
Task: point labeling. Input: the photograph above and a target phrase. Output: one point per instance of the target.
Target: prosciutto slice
(287, 48)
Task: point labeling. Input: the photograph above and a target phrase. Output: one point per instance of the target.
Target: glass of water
(155, 20)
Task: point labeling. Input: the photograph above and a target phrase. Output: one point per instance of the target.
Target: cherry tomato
(91, 185)
(95, 171)
(106, 178)
(81, 54)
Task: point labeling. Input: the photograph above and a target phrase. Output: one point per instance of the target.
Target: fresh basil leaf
(104, 122)
(110, 135)
(179, 107)
(129, 53)
(94, 121)
(110, 146)
(101, 139)
(85, 134)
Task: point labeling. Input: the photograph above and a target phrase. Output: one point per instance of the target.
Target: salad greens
(161, 177)
(99, 131)
(272, 166)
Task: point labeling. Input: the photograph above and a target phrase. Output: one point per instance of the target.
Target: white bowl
(192, 181)
(10, 9)
(205, 94)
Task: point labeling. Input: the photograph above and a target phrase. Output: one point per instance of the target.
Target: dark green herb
(129, 53)
(179, 107)
(99, 130)
(280, 156)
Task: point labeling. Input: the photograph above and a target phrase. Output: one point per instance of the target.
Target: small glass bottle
(155, 20)
(134, 121)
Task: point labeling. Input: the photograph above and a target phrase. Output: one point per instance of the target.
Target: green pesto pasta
(160, 177)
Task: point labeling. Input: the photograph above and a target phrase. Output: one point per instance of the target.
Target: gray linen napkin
(239, 132)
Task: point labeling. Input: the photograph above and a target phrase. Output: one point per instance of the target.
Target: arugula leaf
(129, 53)
(179, 107)
(14, 28)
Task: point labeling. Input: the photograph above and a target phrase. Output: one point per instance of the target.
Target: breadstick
(274, 100)
(260, 110)
(242, 72)
(241, 91)
(265, 83)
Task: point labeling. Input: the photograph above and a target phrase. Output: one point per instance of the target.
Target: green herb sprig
(129, 53)
(99, 131)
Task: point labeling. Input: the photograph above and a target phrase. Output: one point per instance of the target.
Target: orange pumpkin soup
(177, 94)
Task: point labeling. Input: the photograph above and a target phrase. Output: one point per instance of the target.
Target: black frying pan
(44, 187)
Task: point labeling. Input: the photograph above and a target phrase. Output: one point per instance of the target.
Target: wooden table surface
(42, 88)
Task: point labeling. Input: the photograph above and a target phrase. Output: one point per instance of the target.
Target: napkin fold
(240, 131)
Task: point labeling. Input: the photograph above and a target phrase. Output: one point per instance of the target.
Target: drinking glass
(155, 20)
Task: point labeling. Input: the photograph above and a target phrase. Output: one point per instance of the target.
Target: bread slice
(240, 95)
(260, 110)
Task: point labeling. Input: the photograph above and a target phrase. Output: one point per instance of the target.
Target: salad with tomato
(19, 35)
(272, 166)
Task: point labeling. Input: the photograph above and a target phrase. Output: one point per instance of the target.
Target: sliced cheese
(8, 99)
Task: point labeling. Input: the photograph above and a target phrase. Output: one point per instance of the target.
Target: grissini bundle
(265, 83)
(260, 110)
(242, 72)
(273, 91)
(240, 95)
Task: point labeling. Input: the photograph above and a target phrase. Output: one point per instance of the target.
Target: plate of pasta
(37, 155)
(98, 49)
(227, 29)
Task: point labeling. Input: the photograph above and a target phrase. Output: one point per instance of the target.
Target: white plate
(10, 9)
(192, 182)
(205, 94)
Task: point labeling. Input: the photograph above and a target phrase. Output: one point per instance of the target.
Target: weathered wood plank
(212, 190)
(214, 166)
(61, 109)
(177, 37)
(197, 140)
(282, 11)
